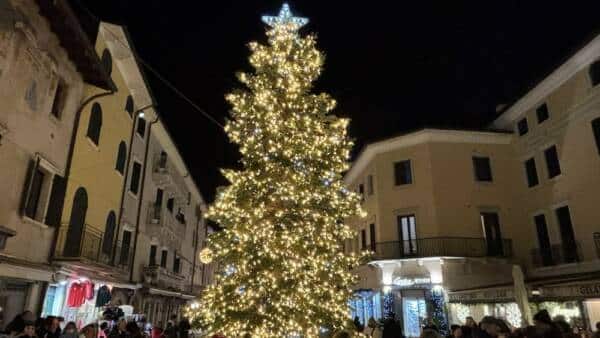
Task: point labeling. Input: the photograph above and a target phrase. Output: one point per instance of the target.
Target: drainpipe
(141, 197)
(70, 159)
(126, 175)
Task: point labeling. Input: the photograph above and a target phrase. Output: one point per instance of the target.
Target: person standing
(28, 329)
(119, 331)
(70, 331)
(597, 333)
(184, 328)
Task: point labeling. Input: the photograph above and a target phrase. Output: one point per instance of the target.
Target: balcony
(557, 254)
(164, 225)
(163, 278)
(443, 247)
(87, 246)
(165, 174)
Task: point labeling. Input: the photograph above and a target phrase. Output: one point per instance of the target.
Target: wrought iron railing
(444, 246)
(556, 254)
(87, 242)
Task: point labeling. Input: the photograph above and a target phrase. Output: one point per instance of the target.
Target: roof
(424, 135)
(66, 26)
(574, 64)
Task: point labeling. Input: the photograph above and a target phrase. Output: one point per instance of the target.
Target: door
(543, 240)
(407, 234)
(72, 246)
(414, 311)
(567, 235)
(491, 230)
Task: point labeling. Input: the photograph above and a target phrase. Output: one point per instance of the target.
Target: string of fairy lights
(282, 267)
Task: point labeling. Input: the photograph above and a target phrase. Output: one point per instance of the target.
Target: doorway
(414, 311)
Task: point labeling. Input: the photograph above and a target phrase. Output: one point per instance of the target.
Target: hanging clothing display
(103, 296)
(88, 288)
(76, 295)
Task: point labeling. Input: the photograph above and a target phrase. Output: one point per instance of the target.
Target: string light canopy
(285, 18)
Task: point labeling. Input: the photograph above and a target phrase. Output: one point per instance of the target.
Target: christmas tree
(283, 271)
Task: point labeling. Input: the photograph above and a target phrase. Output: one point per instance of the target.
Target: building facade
(45, 62)
(556, 141)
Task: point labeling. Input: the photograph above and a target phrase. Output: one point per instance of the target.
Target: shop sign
(404, 282)
(583, 290)
(495, 295)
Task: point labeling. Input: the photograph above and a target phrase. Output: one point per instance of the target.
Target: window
(129, 106)
(95, 124)
(596, 130)
(372, 236)
(552, 162)
(176, 264)
(402, 173)
(370, 188)
(162, 160)
(59, 99)
(170, 204)
(542, 113)
(545, 249)
(121, 156)
(152, 260)
(361, 191)
(567, 235)
(595, 73)
(407, 234)
(109, 233)
(531, 172)
(491, 231)
(135, 178)
(107, 61)
(522, 126)
(163, 258)
(483, 169)
(35, 190)
(125, 245)
(363, 239)
(141, 126)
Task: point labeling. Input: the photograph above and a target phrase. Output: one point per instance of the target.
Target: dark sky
(392, 65)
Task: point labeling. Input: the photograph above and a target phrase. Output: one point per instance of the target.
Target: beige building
(45, 59)
(457, 210)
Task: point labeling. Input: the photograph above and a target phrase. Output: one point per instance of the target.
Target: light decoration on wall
(206, 256)
(282, 267)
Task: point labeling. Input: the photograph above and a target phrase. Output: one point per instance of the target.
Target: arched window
(121, 156)
(129, 106)
(95, 124)
(595, 73)
(107, 61)
(109, 233)
(76, 227)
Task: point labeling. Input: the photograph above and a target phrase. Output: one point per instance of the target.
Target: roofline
(421, 136)
(589, 53)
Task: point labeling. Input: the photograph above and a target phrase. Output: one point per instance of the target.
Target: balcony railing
(156, 275)
(556, 254)
(444, 247)
(154, 213)
(87, 243)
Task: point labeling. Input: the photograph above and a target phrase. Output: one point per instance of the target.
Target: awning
(169, 293)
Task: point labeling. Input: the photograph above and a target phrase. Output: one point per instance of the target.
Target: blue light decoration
(437, 307)
(376, 301)
(285, 17)
(360, 310)
(388, 305)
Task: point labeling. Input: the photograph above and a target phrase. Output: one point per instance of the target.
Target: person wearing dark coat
(184, 328)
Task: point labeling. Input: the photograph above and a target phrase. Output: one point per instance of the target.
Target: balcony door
(72, 247)
(567, 235)
(491, 230)
(543, 240)
(124, 259)
(407, 234)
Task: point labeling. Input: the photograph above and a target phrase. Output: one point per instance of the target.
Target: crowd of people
(25, 325)
(489, 327)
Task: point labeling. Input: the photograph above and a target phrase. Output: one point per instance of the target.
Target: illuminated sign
(411, 281)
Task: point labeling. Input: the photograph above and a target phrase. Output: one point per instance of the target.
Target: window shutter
(31, 169)
(57, 199)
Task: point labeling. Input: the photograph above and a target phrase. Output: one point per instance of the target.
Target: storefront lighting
(438, 288)
(420, 262)
(63, 282)
(386, 289)
(536, 292)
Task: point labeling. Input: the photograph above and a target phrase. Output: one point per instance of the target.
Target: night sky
(392, 66)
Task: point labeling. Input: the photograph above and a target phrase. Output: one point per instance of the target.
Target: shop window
(402, 173)
(483, 169)
(95, 123)
(522, 126)
(552, 162)
(531, 173)
(121, 157)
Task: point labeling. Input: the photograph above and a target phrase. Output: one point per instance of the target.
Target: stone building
(46, 60)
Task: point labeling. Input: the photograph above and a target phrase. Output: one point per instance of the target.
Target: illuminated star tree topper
(285, 18)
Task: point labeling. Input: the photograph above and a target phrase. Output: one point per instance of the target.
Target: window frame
(542, 113)
(398, 178)
(596, 132)
(140, 128)
(552, 171)
(121, 161)
(523, 126)
(487, 169)
(94, 131)
(133, 181)
(534, 179)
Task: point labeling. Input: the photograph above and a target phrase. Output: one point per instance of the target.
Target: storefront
(496, 302)
(84, 301)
